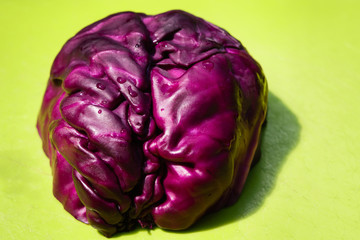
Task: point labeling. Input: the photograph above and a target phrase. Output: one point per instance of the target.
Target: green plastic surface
(307, 184)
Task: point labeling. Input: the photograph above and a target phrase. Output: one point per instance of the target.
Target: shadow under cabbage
(280, 135)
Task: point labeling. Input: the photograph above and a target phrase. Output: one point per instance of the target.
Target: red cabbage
(151, 121)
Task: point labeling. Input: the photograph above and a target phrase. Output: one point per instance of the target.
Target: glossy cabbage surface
(151, 120)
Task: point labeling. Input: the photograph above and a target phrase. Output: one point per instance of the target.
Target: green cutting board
(307, 184)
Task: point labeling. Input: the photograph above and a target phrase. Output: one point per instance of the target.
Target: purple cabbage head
(151, 121)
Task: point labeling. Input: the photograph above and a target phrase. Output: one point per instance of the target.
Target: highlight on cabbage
(151, 121)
